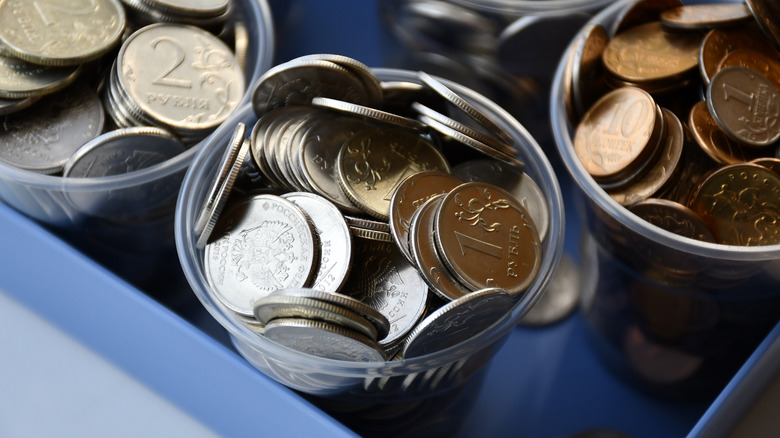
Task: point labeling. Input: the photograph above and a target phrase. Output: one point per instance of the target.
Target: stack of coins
(210, 14)
(685, 131)
(54, 65)
(356, 200)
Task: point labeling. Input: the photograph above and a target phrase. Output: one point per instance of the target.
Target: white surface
(53, 386)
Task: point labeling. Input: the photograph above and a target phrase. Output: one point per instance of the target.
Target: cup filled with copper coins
(666, 116)
(105, 103)
(368, 235)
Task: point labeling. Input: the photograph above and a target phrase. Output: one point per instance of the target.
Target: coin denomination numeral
(48, 10)
(624, 121)
(734, 92)
(469, 242)
(179, 56)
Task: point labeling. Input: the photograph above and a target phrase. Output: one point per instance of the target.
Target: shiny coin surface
(68, 32)
(767, 63)
(673, 217)
(463, 129)
(641, 12)
(718, 43)
(261, 244)
(560, 299)
(410, 195)
(122, 151)
(741, 204)
(374, 161)
(277, 306)
(334, 238)
(487, 239)
(368, 78)
(714, 141)
(322, 339)
(746, 105)
(705, 15)
(369, 113)
(457, 321)
(20, 79)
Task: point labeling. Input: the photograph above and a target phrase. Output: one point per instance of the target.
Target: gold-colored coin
(770, 163)
(375, 160)
(712, 140)
(641, 12)
(650, 52)
(588, 82)
(706, 15)
(766, 63)
(721, 41)
(618, 134)
(673, 217)
(741, 204)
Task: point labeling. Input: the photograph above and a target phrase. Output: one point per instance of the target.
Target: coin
(322, 339)
(460, 127)
(765, 63)
(587, 79)
(705, 15)
(368, 78)
(260, 244)
(68, 32)
(20, 79)
(745, 104)
(641, 12)
(719, 42)
(768, 162)
(334, 239)
(487, 239)
(457, 321)
(673, 217)
(766, 13)
(410, 195)
(366, 112)
(560, 298)
(741, 204)
(714, 141)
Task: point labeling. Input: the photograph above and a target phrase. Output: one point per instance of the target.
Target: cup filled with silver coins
(666, 116)
(105, 103)
(368, 235)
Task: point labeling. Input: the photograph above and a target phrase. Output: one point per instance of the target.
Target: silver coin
(20, 79)
(366, 233)
(10, 106)
(457, 321)
(122, 151)
(298, 81)
(560, 299)
(382, 278)
(512, 180)
(323, 340)
(367, 112)
(190, 7)
(367, 224)
(260, 244)
(43, 137)
(335, 239)
(463, 129)
(370, 81)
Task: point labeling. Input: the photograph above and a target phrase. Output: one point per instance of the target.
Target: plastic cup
(361, 385)
(674, 315)
(125, 221)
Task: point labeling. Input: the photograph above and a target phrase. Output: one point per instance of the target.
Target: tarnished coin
(260, 244)
(43, 137)
(322, 339)
(410, 195)
(745, 104)
(425, 256)
(457, 321)
(649, 52)
(122, 151)
(487, 239)
(382, 278)
(664, 169)
(300, 80)
(20, 79)
(378, 319)
(706, 15)
(714, 141)
(334, 239)
(67, 32)
(277, 306)
(673, 217)
(374, 161)
(618, 135)
(741, 205)
(509, 178)
(560, 299)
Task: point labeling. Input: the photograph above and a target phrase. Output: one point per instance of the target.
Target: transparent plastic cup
(363, 384)
(125, 221)
(674, 315)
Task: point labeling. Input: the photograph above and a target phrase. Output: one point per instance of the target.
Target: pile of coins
(339, 200)
(65, 67)
(677, 117)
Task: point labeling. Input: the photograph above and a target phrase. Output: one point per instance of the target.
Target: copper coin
(714, 141)
(771, 163)
(766, 13)
(641, 12)
(487, 239)
(766, 63)
(587, 78)
(721, 41)
(745, 104)
(741, 204)
(650, 52)
(617, 134)
(673, 217)
(706, 15)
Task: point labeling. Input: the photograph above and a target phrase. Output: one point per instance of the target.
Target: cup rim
(520, 7)
(562, 134)
(185, 215)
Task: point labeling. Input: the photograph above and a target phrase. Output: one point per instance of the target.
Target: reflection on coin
(260, 244)
(487, 239)
(673, 217)
(457, 321)
(324, 340)
(62, 33)
(334, 239)
(122, 151)
(560, 299)
(746, 105)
